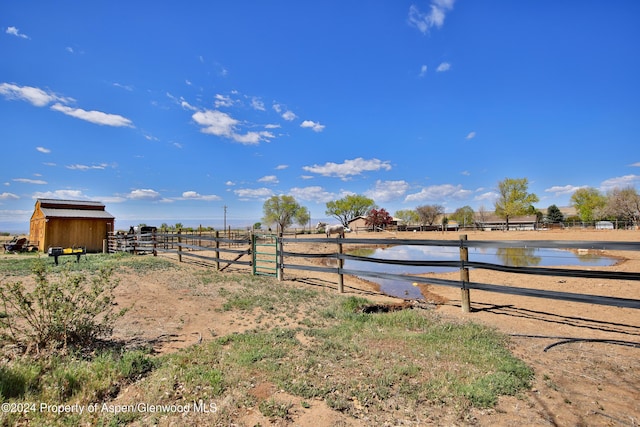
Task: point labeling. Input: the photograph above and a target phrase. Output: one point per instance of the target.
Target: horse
(338, 229)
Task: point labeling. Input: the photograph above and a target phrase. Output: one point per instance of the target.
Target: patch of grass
(390, 366)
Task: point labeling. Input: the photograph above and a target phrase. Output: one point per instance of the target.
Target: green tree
(465, 216)
(514, 199)
(554, 215)
(408, 216)
(282, 210)
(349, 207)
(589, 203)
(429, 213)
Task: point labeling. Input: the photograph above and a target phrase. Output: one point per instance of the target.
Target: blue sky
(169, 111)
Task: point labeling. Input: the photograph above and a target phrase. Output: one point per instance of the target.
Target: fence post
(464, 275)
(179, 245)
(279, 261)
(155, 243)
(340, 265)
(254, 236)
(217, 250)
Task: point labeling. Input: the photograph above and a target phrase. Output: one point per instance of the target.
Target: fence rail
(196, 245)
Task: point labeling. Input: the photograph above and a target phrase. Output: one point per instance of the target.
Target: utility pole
(225, 218)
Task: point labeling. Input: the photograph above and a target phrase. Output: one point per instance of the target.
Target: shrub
(73, 310)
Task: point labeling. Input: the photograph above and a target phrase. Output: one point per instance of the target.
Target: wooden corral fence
(196, 246)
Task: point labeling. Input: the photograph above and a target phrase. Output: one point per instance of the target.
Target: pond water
(518, 257)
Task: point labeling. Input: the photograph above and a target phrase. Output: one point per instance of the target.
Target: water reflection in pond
(517, 257)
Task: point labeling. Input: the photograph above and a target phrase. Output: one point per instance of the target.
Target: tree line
(513, 200)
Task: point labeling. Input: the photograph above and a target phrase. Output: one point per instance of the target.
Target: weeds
(58, 313)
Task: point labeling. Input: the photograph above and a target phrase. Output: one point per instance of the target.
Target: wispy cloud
(223, 101)
(43, 150)
(470, 135)
(33, 95)
(61, 194)
(316, 127)
(16, 32)
(271, 179)
(41, 98)
(423, 71)
(96, 117)
(193, 195)
(349, 168)
(439, 193)
(253, 193)
(560, 190)
(444, 66)
(424, 21)
(8, 196)
(620, 182)
(636, 164)
(30, 181)
(86, 167)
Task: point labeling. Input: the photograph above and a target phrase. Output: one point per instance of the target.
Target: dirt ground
(578, 383)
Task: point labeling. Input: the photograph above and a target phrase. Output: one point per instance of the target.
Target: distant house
(494, 222)
(70, 223)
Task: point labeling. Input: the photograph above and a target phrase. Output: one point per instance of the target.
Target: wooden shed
(70, 223)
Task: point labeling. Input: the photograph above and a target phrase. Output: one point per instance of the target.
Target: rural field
(256, 351)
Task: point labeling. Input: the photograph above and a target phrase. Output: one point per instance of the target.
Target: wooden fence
(230, 251)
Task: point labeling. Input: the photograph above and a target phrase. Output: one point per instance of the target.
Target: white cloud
(272, 126)
(423, 71)
(636, 164)
(253, 193)
(34, 95)
(15, 32)
(316, 127)
(222, 101)
(445, 66)
(289, 115)
(470, 135)
(281, 167)
(252, 138)
(349, 168)
(29, 181)
(271, 179)
(620, 182)
(312, 194)
(439, 193)
(562, 189)
(385, 191)
(229, 183)
(61, 194)
(43, 150)
(217, 123)
(435, 18)
(257, 104)
(7, 196)
(192, 195)
(143, 194)
(490, 196)
(85, 167)
(96, 117)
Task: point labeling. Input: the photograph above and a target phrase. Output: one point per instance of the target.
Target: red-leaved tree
(378, 218)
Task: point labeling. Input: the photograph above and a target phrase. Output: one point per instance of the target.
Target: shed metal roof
(75, 213)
